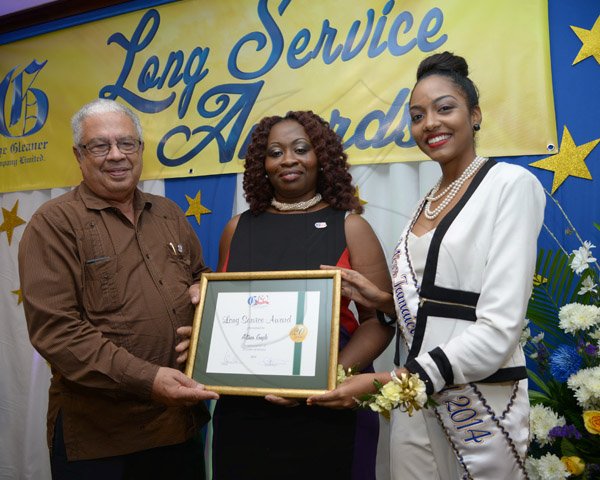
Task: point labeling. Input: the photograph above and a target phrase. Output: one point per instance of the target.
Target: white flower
(541, 420)
(595, 334)
(587, 285)
(586, 385)
(549, 467)
(538, 338)
(525, 336)
(575, 316)
(531, 466)
(581, 257)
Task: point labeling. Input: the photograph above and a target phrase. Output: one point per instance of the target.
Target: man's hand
(182, 347)
(194, 292)
(171, 387)
(186, 332)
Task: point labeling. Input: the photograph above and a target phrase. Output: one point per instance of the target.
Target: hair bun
(445, 62)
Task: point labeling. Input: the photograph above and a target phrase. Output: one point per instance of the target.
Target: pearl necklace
(451, 190)
(306, 204)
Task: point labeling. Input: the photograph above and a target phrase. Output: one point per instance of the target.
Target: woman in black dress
(303, 213)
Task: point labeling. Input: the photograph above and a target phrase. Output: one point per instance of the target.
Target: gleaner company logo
(23, 108)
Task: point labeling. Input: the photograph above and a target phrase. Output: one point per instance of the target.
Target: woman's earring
(476, 127)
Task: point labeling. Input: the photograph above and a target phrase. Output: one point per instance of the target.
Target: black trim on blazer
(433, 309)
(441, 360)
(415, 347)
(506, 374)
(397, 349)
(428, 288)
(414, 367)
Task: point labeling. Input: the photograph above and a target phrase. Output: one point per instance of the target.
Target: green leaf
(568, 449)
(378, 384)
(539, 382)
(537, 397)
(556, 286)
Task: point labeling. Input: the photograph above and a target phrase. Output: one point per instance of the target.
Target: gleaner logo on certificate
(258, 333)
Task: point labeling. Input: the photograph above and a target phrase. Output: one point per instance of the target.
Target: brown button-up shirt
(103, 299)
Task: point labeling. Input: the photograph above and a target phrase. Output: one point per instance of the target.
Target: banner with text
(202, 74)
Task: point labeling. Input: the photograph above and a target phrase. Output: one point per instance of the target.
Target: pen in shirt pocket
(96, 260)
(178, 250)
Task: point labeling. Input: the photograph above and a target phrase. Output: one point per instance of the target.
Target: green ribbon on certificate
(298, 345)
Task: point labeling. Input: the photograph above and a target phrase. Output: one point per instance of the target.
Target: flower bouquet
(406, 392)
(565, 413)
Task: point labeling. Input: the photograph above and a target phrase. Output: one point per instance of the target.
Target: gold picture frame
(260, 333)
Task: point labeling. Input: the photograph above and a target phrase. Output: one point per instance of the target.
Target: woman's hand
(282, 402)
(344, 395)
(357, 287)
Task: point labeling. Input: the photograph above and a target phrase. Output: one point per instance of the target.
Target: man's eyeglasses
(126, 146)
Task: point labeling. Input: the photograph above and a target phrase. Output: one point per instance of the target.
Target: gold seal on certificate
(298, 333)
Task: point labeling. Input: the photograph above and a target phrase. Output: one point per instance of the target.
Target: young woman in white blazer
(462, 273)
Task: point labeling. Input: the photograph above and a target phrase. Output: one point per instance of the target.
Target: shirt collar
(93, 202)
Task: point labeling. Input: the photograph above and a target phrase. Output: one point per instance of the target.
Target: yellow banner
(201, 74)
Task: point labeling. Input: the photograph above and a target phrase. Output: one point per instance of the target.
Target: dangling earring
(476, 127)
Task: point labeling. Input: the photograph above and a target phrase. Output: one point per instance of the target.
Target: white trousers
(419, 448)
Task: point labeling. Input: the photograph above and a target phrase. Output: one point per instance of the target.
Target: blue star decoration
(590, 42)
(569, 162)
(196, 209)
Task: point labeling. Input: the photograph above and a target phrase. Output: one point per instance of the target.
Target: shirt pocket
(100, 291)
(179, 273)
(179, 266)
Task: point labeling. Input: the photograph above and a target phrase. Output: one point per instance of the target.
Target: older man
(105, 271)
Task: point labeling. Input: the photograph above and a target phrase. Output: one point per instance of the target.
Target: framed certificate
(259, 333)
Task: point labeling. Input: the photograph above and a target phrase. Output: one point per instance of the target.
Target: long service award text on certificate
(257, 333)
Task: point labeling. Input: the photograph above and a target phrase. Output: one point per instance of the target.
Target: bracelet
(394, 376)
(343, 374)
(384, 318)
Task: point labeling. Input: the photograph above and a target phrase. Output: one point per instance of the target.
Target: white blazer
(478, 280)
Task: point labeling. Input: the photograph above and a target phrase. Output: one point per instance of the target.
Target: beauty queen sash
(479, 437)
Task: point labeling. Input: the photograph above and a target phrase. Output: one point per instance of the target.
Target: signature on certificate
(274, 362)
(230, 359)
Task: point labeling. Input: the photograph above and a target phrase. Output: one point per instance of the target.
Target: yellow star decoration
(19, 295)
(590, 40)
(569, 162)
(357, 195)
(11, 221)
(196, 209)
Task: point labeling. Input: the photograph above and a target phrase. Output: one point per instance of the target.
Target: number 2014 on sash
(460, 414)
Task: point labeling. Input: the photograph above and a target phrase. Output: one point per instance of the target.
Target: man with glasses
(105, 271)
